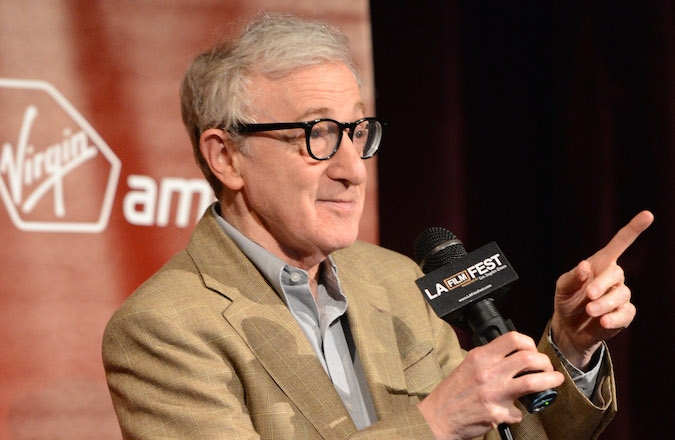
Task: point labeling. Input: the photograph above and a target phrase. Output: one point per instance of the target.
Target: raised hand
(592, 303)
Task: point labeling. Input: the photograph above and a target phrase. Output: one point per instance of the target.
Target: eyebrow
(321, 112)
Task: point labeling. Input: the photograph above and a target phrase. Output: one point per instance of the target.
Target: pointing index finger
(627, 235)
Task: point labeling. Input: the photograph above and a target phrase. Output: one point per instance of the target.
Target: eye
(317, 132)
(361, 131)
(322, 130)
(292, 136)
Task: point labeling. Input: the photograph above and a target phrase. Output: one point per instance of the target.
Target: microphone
(464, 288)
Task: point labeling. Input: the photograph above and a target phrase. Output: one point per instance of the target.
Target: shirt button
(295, 277)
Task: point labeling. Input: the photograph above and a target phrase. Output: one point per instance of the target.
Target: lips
(344, 206)
(339, 202)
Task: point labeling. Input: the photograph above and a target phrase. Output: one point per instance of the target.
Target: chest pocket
(422, 370)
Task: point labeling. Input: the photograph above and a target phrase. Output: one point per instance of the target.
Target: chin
(344, 241)
(335, 234)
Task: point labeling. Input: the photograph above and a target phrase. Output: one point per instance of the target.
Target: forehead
(323, 90)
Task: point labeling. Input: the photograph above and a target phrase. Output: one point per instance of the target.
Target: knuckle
(626, 294)
(621, 296)
(618, 272)
(632, 309)
(515, 417)
(560, 283)
(522, 340)
(483, 376)
(529, 382)
(531, 358)
(476, 356)
(511, 336)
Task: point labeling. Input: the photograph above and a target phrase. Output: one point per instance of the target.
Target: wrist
(579, 356)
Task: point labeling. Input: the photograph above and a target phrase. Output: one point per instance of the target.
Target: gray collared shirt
(324, 321)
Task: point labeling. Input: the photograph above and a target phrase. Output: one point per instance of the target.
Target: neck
(310, 262)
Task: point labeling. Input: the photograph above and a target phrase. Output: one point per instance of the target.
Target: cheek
(291, 194)
(286, 187)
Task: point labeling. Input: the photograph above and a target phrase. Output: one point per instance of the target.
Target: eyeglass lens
(324, 138)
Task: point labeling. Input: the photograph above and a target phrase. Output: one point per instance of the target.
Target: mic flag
(468, 278)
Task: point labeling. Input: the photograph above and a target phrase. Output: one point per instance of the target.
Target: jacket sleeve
(574, 412)
(166, 382)
(572, 415)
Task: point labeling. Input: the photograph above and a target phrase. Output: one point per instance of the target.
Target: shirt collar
(271, 266)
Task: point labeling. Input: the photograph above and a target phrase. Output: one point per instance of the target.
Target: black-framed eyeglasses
(323, 136)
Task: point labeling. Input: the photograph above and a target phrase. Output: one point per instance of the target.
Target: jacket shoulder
(375, 258)
(176, 284)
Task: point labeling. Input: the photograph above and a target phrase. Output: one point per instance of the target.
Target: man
(276, 323)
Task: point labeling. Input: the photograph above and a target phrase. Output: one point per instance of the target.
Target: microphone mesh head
(430, 252)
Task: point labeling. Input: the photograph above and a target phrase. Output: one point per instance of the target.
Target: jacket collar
(261, 318)
(263, 321)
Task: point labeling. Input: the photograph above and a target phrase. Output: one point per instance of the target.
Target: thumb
(572, 281)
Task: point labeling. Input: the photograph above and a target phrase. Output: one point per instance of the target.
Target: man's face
(297, 207)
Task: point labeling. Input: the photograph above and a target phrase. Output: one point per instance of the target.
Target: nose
(347, 164)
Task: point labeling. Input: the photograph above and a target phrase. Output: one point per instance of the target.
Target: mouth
(343, 206)
(338, 202)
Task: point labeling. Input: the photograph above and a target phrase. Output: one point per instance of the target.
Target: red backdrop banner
(98, 184)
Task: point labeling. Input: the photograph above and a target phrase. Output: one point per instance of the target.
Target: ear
(223, 157)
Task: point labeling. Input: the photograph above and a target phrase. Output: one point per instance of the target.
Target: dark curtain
(544, 126)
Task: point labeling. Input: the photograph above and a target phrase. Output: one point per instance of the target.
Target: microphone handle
(505, 431)
(487, 324)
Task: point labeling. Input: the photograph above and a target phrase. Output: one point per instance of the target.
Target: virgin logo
(58, 175)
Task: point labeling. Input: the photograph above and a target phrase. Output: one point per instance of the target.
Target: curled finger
(614, 298)
(619, 318)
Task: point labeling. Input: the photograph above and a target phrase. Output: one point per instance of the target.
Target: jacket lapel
(262, 319)
(374, 330)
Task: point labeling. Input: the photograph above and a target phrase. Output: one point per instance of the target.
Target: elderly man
(276, 323)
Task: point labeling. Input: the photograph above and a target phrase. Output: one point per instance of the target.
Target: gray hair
(215, 92)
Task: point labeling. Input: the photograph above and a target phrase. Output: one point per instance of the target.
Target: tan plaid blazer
(206, 349)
